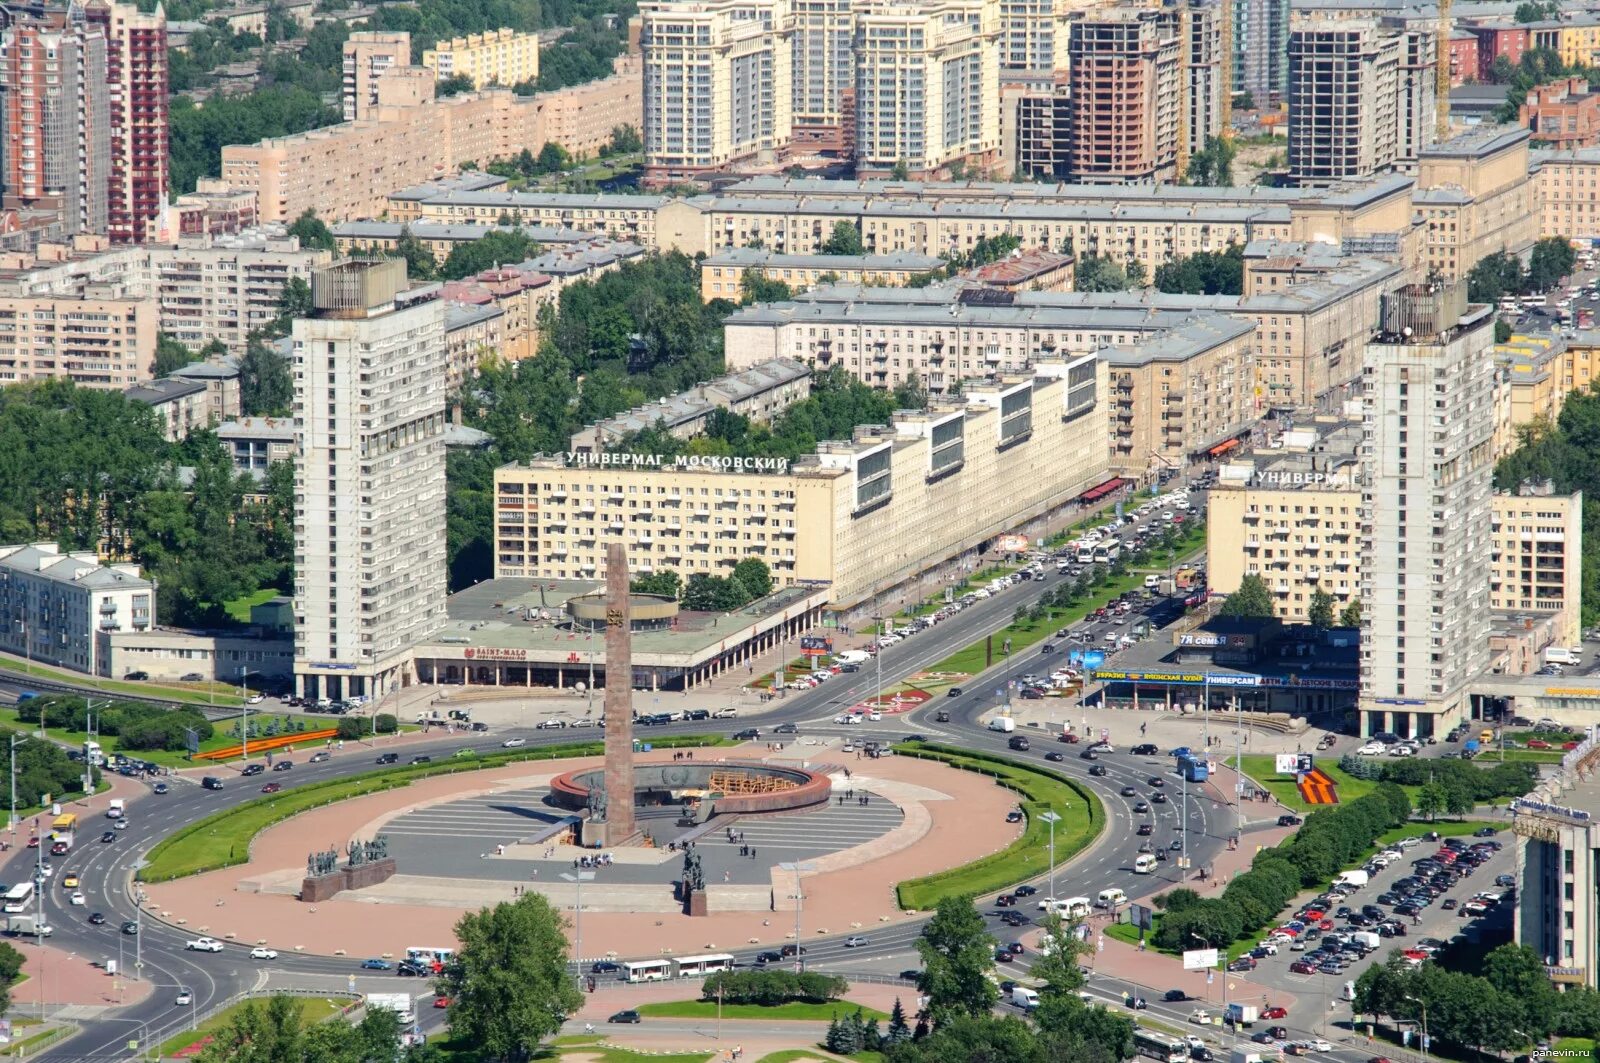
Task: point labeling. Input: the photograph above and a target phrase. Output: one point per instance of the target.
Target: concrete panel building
(722, 274)
(1033, 37)
(498, 57)
(927, 86)
(1427, 464)
(717, 77)
(369, 479)
(866, 515)
(1557, 827)
(54, 605)
(1261, 50)
(367, 54)
(254, 443)
(97, 343)
(182, 405)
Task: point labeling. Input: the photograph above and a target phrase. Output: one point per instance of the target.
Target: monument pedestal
(314, 890)
(696, 904)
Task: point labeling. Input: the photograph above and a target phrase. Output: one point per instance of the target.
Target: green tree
(1098, 273)
(508, 983)
(975, 1038)
(625, 140)
(266, 388)
(901, 171)
(666, 583)
(454, 85)
(170, 355)
(1252, 600)
(1551, 262)
(756, 287)
(1351, 614)
(1204, 273)
(957, 956)
(553, 158)
(197, 134)
(294, 301)
(1320, 610)
(898, 1032)
(1494, 277)
(911, 394)
(844, 240)
(1502, 330)
(754, 576)
(1431, 800)
(312, 232)
(1213, 164)
(420, 263)
(498, 248)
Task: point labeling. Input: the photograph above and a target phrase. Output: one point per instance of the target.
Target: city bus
(18, 898)
(1159, 1046)
(65, 823)
(694, 966)
(429, 956)
(646, 970)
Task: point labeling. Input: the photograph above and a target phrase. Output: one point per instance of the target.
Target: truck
(28, 926)
(1241, 1014)
(116, 809)
(1367, 939)
(1356, 879)
(1561, 655)
(1003, 724)
(399, 1003)
(1245, 1055)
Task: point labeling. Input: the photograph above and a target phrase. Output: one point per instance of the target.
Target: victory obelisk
(619, 825)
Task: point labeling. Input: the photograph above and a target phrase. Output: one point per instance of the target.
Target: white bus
(694, 966)
(646, 970)
(1158, 1046)
(429, 955)
(18, 898)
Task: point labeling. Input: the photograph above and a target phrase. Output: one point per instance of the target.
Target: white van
(1144, 864)
(1025, 998)
(1560, 655)
(1111, 898)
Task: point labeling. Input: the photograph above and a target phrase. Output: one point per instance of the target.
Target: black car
(1486, 832)
(97, 919)
(1201, 1052)
(1175, 996)
(1145, 830)
(606, 967)
(749, 734)
(137, 676)
(625, 1016)
(1408, 909)
(911, 974)
(1140, 807)
(953, 692)
(786, 729)
(1098, 769)
(283, 765)
(1156, 781)
(789, 950)
(1145, 749)
(253, 769)
(159, 788)
(388, 758)
(1158, 798)
(420, 758)
(1014, 918)
(130, 927)
(1288, 820)
(109, 836)
(412, 969)
(1025, 891)
(1088, 754)
(1054, 755)
(770, 956)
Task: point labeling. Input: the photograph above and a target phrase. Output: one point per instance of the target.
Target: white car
(261, 952)
(724, 714)
(551, 724)
(203, 945)
(184, 999)
(1200, 1016)
(77, 897)
(255, 699)
(874, 715)
(1371, 749)
(1270, 947)
(1402, 751)
(1317, 1044)
(855, 941)
(847, 719)
(512, 743)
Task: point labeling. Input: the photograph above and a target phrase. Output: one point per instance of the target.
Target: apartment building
(1261, 50)
(198, 292)
(182, 405)
(220, 377)
(498, 57)
(717, 84)
(54, 605)
(1126, 91)
(1463, 57)
(1292, 516)
(55, 125)
(1033, 37)
(472, 333)
(722, 274)
(518, 293)
(370, 464)
(254, 443)
(1497, 41)
(1569, 193)
(864, 516)
(1575, 38)
(759, 393)
(1427, 464)
(1202, 93)
(136, 77)
(347, 171)
(1562, 114)
(927, 86)
(96, 343)
(367, 54)
(1476, 197)
(822, 109)
(368, 237)
(1361, 98)
(1557, 828)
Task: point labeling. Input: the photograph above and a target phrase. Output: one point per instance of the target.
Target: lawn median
(1039, 790)
(224, 839)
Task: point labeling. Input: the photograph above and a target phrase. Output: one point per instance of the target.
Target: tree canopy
(1100, 273)
(1212, 165)
(1204, 273)
(844, 240)
(957, 956)
(1252, 600)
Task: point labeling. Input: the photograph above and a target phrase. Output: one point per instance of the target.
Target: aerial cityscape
(970, 531)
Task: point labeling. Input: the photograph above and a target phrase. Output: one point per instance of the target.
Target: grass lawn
(27, 1046)
(1573, 1048)
(165, 757)
(795, 1011)
(1082, 818)
(974, 658)
(188, 693)
(239, 608)
(315, 1009)
(1262, 769)
(223, 839)
(1532, 756)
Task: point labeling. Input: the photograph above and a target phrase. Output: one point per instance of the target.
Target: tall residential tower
(369, 478)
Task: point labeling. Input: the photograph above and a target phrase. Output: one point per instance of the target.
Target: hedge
(773, 987)
(224, 838)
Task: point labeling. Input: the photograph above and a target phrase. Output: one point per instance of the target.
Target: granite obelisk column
(620, 826)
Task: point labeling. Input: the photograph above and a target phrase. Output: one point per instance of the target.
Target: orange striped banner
(261, 745)
(1316, 788)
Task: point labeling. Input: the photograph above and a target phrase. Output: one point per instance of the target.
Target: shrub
(773, 987)
(350, 728)
(387, 723)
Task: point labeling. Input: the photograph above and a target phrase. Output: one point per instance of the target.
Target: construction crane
(1441, 75)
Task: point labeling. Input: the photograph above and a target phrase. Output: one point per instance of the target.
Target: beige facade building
(1569, 193)
(716, 84)
(1033, 36)
(722, 274)
(346, 171)
(367, 54)
(864, 516)
(1293, 518)
(1477, 197)
(824, 75)
(927, 86)
(499, 57)
(182, 405)
(95, 343)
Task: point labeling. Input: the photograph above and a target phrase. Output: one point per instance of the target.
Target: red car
(441, 1002)
(33, 842)
(1326, 924)
(1538, 743)
(1314, 915)
(1275, 1013)
(271, 788)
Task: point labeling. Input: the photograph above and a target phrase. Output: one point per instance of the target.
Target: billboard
(1139, 915)
(1294, 763)
(815, 646)
(1011, 544)
(1199, 959)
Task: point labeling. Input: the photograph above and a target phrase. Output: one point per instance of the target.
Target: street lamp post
(16, 740)
(1052, 818)
(1424, 1008)
(577, 923)
(798, 868)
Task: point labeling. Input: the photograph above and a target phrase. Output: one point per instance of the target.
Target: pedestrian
(727, 875)
(752, 852)
(1141, 728)
(841, 800)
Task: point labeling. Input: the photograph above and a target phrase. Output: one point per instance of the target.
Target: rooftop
(754, 257)
(46, 561)
(462, 231)
(468, 181)
(266, 429)
(1480, 142)
(156, 392)
(1019, 268)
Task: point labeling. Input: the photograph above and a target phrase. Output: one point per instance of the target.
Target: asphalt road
(158, 953)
